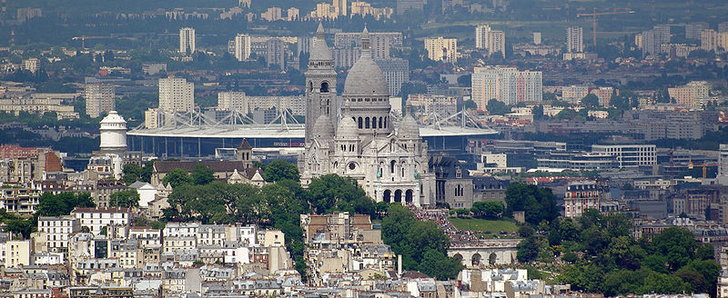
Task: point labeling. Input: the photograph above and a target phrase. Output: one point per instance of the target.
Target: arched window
(360, 122)
(391, 166)
(366, 122)
(380, 122)
(385, 122)
(324, 87)
(310, 86)
(374, 122)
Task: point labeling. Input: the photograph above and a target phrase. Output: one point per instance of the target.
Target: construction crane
(594, 16)
(705, 167)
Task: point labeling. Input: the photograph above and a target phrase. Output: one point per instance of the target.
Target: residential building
(176, 95)
(691, 95)
(232, 101)
(56, 231)
(481, 36)
(341, 7)
(506, 84)
(187, 41)
(382, 43)
(723, 165)
(31, 64)
(574, 94)
(537, 38)
(427, 104)
(442, 49)
(97, 219)
(275, 54)
(18, 253)
(581, 196)
(604, 94)
(575, 39)
(40, 103)
(293, 14)
(709, 40)
(242, 49)
(22, 165)
(630, 155)
(100, 99)
(272, 14)
(497, 43)
(396, 72)
(19, 200)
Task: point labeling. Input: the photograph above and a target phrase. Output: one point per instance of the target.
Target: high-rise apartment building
(575, 39)
(396, 73)
(242, 47)
(497, 43)
(187, 41)
(275, 53)
(709, 40)
(176, 95)
(481, 36)
(492, 40)
(537, 38)
(382, 43)
(100, 99)
(341, 7)
(442, 49)
(506, 84)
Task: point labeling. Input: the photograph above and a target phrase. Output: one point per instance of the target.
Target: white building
(506, 84)
(57, 231)
(391, 166)
(481, 36)
(442, 49)
(232, 101)
(630, 155)
(575, 39)
(17, 253)
(100, 99)
(242, 47)
(176, 95)
(31, 64)
(147, 192)
(98, 218)
(187, 42)
(723, 165)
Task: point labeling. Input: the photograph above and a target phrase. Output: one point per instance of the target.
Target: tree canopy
(422, 244)
(538, 204)
(62, 203)
(279, 170)
(124, 199)
(497, 107)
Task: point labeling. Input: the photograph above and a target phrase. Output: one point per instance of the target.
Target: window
(324, 87)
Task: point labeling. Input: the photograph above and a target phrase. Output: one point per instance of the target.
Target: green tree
(423, 245)
(201, 174)
(538, 204)
(21, 226)
(330, 193)
(177, 177)
(469, 104)
(590, 101)
(677, 244)
(528, 250)
(487, 209)
(497, 107)
(280, 170)
(62, 203)
(131, 173)
(124, 199)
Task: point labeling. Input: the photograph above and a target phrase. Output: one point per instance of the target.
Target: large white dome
(365, 77)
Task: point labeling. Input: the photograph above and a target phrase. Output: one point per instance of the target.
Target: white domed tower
(113, 134)
(321, 98)
(366, 94)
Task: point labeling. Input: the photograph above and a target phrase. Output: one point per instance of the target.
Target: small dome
(322, 128)
(319, 49)
(347, 128)
(113, 118)
(408, 128)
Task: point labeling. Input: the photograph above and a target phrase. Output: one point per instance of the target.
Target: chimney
(399, 265)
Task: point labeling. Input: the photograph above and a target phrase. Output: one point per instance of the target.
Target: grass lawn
(484, 225)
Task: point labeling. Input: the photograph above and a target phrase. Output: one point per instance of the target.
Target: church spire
(320, 33)
(365, 41)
